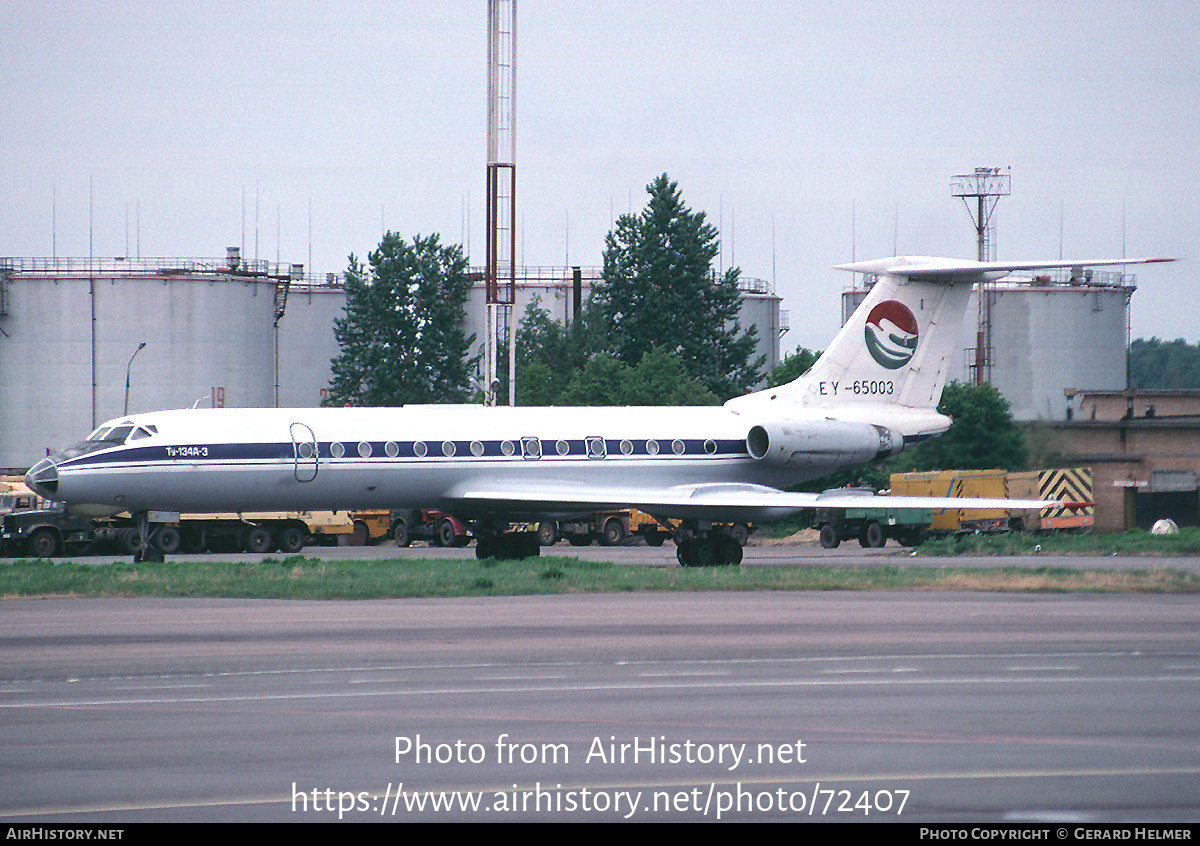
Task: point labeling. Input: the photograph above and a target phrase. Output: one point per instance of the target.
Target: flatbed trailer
(251, 531)
(613, 528)
(872, 526)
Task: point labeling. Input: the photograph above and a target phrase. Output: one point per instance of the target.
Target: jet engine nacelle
(802, 443)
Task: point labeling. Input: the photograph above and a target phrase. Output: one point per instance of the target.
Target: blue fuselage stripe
(388, 451)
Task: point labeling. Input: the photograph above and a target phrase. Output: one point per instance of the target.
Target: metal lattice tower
(501, 269)
(985, 186)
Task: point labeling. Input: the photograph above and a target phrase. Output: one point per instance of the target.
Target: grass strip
(297, 577)
(1184, 544)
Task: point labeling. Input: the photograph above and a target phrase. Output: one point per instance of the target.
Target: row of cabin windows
(596, 447)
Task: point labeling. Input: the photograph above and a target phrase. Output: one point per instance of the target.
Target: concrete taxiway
(758, 706)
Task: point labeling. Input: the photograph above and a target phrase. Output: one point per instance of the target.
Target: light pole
(128, 367)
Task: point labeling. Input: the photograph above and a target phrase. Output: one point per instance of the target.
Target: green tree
(554, 367)
(660, 288)
(602, 381)
(660, 379)
(538, 385)
(548, 355)
(982, 436)
(1164, 365)
(792, 367)
(401, 340)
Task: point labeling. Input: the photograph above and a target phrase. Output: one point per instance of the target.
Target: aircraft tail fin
(898, 346)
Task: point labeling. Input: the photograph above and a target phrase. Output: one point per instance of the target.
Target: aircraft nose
(42, 478)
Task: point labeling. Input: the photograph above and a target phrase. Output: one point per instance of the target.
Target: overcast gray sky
(812, 132)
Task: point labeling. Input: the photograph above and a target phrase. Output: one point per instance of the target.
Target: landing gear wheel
(527, 545)
(146, 552)
(704, 553)
(731, 552)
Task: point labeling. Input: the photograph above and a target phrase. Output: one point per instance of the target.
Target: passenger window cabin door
(305, 452)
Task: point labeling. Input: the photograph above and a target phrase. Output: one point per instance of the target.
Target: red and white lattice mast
(501, 268)
(985, 186)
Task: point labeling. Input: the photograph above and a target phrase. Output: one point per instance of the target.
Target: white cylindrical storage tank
(69, 336)
(307, 345)
(208, 342)
(1047, 339)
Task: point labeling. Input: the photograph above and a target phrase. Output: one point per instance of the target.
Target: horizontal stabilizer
(929, 267)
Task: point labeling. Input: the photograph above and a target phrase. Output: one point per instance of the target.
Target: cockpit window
(108, 437)
(118, 435)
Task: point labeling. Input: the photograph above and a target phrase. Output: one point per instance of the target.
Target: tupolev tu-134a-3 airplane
(872, 393)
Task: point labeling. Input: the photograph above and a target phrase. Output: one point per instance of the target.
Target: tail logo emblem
(891, 334)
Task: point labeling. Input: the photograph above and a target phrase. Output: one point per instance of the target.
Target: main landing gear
(699, 544)
(492, 543)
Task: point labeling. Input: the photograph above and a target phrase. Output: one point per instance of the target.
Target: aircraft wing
(719, 502)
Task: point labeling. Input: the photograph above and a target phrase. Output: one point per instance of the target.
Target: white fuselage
(419, 457)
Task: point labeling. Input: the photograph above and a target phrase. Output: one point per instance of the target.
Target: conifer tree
(660, 288)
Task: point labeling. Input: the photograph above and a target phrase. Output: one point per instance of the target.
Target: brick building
(1144, 451)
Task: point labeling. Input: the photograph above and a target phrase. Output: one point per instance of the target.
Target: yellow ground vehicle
(408, 525)
(1068, 484)
(976, 483)
(372, 527)
(15, 496)
(289, 532)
